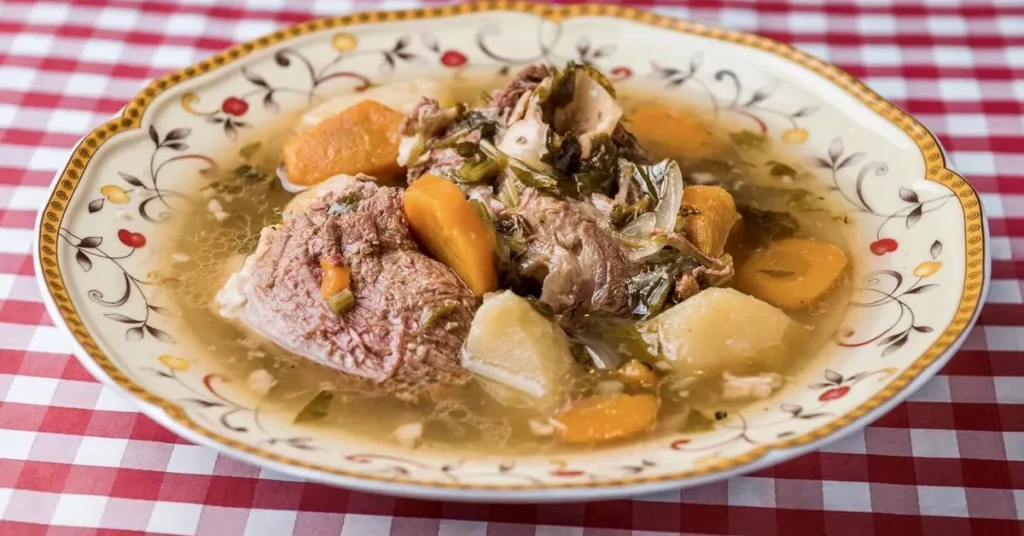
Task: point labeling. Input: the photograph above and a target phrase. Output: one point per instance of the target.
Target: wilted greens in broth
(651, 334)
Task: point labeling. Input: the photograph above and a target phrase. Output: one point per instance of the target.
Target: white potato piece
(720, 329)
(512, 345)
(399, 96)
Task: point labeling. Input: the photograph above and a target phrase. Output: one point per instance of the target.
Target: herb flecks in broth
(610, 223)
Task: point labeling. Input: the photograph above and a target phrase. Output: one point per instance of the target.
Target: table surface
(76, 459)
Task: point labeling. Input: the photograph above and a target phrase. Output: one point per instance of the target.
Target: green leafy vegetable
(531, 177)
(477, 168)
(623, 214)
(766, 225)
(430, 316)
(599, 172)
(778, 169)
(345, 205)
(600, 78)
(315, 409)
(341, 302)
(747, 139)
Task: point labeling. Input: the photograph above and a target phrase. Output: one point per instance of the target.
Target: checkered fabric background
(76, 459)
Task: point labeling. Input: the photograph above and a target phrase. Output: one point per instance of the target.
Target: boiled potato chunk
(399, 96)
(444, 222)
(714, 213)
(513, 345)
(721, 329)
(665, 131)
(607, 418)
(793, 272)
(362, 139)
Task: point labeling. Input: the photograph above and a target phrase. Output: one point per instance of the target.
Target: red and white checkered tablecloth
(76, 459)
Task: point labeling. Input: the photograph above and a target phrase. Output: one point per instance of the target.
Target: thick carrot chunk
(792, 273)
(607, 418)
(448, 227)
(363, 138)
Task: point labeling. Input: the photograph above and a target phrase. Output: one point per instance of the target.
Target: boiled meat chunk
(411, 313)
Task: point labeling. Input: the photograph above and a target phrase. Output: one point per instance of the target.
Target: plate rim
(173, 417)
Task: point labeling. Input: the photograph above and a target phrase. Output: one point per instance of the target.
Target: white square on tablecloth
(752, 491)
(263, 522)
(881, 55)
(27, 198)
(115, 18)
(72, 121)
(1002, 338)
(942, 501)
(16, 444)
(172, 56)
(876, 24)
(31, 389)
(50, 339)
(968, 124)
(742, 19)
(851, 444)
(103, 50)
(934, 443)
(1004, 291)
(101, 451)
(32, 44)
(959, 89)
(458, 527)
(974, 162)
(365, 525)
(87, 85)
(186, 24)
(953, 56)
(47, 13)
(846, 496)
(1009, 389)
(17, 78)
(79, 510)
(251, 29)
(555, 530)
(889, 87)
(947, 25)
(174, 518)
(5, 497)
(807, 22)
(192, 459)
(109, 400)
(936, 390)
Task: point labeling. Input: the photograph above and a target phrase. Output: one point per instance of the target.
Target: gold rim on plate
(131, 118)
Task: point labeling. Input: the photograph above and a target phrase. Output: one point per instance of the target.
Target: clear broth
(468, 418)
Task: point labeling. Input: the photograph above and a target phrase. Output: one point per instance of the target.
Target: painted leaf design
(83, 261)
(202, 403)
(891, 338)
(833, 376)
(96, 205)
(130, 179)
(820, 162)
(804, 112)
(762, 93)
(162, 336)
(177, 146)
(914, 216)
(133, 334)
(90, 242)
(813, 415)
(118, 317)
(850, 160)
(835, 149)
(696, 61)
(936, 249)
(153, 135)
(821, 385)
(255, 78)
(430, 42)
(178, 134)
(604, 51)
(895, 346)
(159, 310)
(908, 195)
(792, 408)
(923, 329)
(282, 59)
(922, 288)
(270, 104)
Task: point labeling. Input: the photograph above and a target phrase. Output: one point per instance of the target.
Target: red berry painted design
(234, 106)
(130, 239)
(567, 472)
(453, 58)
(883, 246)
(620, 73)
(834, 394)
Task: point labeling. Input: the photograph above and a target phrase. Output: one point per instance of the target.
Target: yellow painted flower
(179, 364)
(114, 194)
(344, 42)
(794, 136)
(927, 268)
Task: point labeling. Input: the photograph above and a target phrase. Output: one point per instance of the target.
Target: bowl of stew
(512, 252)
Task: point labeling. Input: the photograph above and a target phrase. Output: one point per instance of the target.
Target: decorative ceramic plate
(920, 277)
